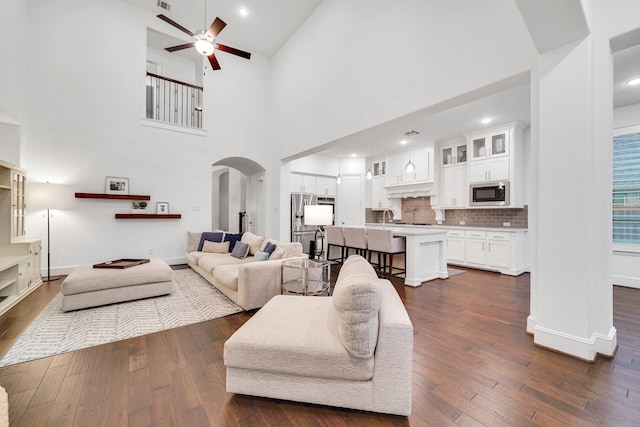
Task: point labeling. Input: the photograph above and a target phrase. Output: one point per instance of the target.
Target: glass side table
(303, 276)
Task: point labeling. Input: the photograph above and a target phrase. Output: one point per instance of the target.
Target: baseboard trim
(581, 348)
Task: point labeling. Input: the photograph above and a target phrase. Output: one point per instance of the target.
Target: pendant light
(410, 167)
(369, 173)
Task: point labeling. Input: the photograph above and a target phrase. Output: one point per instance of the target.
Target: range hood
(413, 189)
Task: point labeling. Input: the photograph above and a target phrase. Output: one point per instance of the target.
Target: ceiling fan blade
(233, 51)
(214, 62)
(179, 47)
(216, 26)
(175, 24)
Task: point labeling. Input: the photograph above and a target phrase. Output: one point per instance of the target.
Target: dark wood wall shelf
(112, 196)
(147, 216)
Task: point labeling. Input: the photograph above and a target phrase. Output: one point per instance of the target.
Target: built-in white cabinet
(488, 249)
(454, 182)
(326, 186)
(380, 199)
(301, 183)
(455, 246)
(422, 158)
(20, 259)
(497, 155)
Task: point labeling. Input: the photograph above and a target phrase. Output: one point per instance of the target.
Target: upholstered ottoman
(87, 287)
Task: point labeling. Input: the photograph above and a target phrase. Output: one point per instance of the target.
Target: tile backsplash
(418, 211)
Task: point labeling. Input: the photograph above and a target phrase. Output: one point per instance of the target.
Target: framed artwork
(117, 185)
(162, 208)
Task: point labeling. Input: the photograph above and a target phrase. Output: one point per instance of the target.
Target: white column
(571, 292)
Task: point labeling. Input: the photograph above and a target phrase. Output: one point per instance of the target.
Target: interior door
(350, 205)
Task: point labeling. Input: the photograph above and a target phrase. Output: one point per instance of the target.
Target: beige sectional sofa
(246, 281)
(353, 349)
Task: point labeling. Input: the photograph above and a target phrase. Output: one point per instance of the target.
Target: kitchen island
(426, 253)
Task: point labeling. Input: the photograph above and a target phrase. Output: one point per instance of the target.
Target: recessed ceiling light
(354, 155)
(634, 82)
(403, 142)
(243, 11)
(486, 120)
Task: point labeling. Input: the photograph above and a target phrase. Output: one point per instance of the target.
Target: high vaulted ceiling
(264, 30)
(270, 24)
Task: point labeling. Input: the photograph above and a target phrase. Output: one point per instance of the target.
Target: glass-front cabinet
(454, 154)
(17, 205)
(490, 145)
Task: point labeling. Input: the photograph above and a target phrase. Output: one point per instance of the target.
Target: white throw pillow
(254, 242)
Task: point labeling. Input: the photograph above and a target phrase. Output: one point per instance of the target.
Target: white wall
(356, 64)
(84, 107)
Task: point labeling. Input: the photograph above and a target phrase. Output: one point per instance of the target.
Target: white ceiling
(270, 24)
(267, 27)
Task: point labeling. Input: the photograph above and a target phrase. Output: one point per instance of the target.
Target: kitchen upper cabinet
(489, 170)
(303, 183)
(497, 155)
(454, 182)
(326, 186)
(422, 159)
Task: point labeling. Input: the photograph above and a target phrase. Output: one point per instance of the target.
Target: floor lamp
(318, 215)
(47, 196)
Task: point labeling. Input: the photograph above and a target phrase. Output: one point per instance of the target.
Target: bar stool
(335, 237)
(383, 242)
(355, 238)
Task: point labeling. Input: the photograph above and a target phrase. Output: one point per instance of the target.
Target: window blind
(626, 188)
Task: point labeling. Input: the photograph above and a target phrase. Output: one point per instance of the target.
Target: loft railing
(173, 101)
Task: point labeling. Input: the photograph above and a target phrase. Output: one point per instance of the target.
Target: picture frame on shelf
(117, 185)
(162, 208)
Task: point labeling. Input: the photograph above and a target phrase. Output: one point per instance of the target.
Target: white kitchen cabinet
(475, 247)
(455, 246)
(498, 250)
(326, 186)
(489, 170)
(454, 187)
(497, 155)
(301, 183)
(422, 158)
(488, 249)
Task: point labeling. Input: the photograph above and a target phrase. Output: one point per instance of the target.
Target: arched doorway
(237, 195)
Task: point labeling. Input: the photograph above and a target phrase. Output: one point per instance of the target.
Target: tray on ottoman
(121, 263)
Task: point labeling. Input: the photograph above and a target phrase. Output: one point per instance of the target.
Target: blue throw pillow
(240, 250)
(269, 248)
(232, 239)
(261, 256)
(212, 236)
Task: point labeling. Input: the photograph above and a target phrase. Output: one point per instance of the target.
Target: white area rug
(453, 271)
(54, 331)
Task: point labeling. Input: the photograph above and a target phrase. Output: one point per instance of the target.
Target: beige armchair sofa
(352, 350)
(247, 282)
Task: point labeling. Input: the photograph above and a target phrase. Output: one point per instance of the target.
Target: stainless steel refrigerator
(299, 231)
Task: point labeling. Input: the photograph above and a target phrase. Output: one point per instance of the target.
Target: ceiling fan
(204, 41)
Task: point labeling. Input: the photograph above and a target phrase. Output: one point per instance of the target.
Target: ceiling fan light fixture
(204, 44)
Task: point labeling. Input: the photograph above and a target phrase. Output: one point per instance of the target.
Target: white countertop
(444, 227)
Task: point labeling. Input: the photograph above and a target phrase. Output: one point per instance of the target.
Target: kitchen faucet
(384, 216)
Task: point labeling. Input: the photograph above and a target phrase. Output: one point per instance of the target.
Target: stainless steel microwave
(489, 194)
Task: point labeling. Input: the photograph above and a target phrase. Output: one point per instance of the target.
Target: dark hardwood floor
(473, 365)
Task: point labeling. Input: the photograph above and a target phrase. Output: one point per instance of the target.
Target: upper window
(626, 188)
